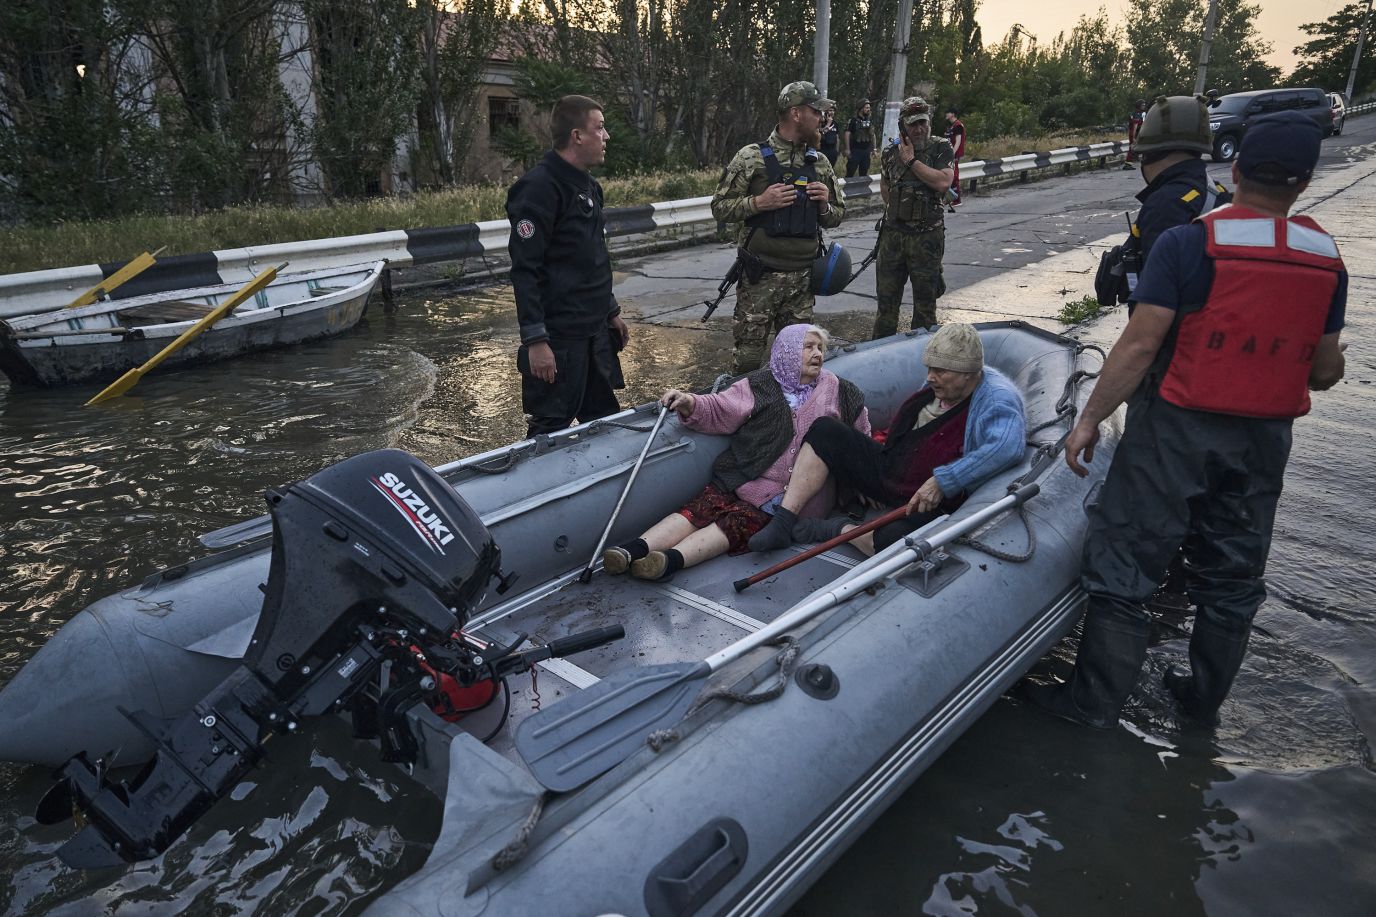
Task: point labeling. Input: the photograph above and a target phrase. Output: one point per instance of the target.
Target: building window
(503, 114)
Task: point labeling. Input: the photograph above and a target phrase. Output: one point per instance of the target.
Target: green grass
(1079, 310)
(33, 248)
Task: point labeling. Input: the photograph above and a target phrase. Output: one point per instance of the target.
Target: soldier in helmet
(1174, 136)
(783, 192)
(915, 173)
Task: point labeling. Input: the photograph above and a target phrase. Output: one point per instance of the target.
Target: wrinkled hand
(620, 329)
(927, 498)
(683, 402)
(818, 191)
(542, 364)
(1081, 439)
(775, 197)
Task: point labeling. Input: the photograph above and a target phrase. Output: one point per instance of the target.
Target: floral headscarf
(786, 364)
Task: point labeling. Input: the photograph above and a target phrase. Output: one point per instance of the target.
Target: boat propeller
(376, 565)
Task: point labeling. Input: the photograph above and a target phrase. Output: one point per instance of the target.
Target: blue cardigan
(995, 435)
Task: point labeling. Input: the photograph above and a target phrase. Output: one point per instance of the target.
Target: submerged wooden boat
(103, 340)
(739, 806)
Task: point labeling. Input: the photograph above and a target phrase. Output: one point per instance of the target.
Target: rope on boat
(787, 659)
(998, 554)
(513, 852)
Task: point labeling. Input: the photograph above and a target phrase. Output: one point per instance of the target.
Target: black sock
(674, 561)
(636, 548)
(777, 534)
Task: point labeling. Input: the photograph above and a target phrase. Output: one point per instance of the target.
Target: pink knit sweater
(725, 412)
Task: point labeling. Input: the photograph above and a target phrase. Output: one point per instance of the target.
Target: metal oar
(572, 742)
(132, 377)
(586, 575)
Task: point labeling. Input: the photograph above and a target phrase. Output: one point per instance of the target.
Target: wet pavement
(1270, 814)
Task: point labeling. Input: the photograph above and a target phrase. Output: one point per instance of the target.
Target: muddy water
(1023, 815)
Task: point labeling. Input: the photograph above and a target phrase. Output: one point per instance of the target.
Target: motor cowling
(379, 534)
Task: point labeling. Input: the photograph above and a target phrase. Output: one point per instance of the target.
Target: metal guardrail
(1361, 109)
(38, 291)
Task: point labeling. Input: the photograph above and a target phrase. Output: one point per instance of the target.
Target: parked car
(1338, 106)
(1230, 115)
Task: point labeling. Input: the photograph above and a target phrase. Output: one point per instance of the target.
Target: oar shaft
(814, 606)
(625, 491)
(843, 538)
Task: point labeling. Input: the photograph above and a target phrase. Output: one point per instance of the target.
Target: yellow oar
(128, 272)
(132, 377)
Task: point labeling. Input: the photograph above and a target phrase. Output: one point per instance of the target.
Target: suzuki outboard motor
(376, 565)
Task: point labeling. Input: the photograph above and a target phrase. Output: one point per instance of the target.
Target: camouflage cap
(802, 92)
(914, 109)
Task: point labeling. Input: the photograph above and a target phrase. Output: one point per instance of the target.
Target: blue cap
(1280, 149)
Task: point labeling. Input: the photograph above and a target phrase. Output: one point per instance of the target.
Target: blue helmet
(830, 270)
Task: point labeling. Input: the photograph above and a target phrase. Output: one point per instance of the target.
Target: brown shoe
(616, 561)
(651, 566)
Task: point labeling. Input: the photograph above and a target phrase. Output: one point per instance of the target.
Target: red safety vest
(1249, 349)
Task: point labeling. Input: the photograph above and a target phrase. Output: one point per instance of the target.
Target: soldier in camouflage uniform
(915, 172)
(782, 192)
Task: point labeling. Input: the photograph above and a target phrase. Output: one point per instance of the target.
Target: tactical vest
(1131, 257)
(799, 219)
(1249, 349)
(912, 202)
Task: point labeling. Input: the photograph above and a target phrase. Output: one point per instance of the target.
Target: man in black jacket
(571, 326)
(1174, 135)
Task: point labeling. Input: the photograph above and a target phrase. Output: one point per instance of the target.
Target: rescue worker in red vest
(1237, 319)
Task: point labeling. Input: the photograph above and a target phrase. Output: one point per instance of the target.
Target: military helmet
(1175, 123)
(830, 270)
(913, 110)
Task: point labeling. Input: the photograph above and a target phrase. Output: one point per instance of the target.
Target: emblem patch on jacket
(525, 229)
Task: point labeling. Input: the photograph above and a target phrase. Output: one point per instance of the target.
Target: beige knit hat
(955, 346)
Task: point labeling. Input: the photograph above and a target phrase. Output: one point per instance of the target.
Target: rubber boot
(1106, 668)
(1217, 647)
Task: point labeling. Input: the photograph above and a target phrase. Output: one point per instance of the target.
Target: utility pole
(821, 48)
(898, 71)
(1357, 55)
(1210, 21)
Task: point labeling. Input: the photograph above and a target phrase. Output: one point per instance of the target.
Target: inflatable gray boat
(714, 760)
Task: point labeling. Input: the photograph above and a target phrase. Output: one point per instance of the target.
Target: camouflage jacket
(745, 177)
(911, 202)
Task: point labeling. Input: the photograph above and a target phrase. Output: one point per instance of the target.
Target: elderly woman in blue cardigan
(964, 426)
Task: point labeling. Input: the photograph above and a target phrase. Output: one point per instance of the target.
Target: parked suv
(1338, 105)
(1230, 115)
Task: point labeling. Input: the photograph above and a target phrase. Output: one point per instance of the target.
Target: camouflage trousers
(905, 256)
(781, 298)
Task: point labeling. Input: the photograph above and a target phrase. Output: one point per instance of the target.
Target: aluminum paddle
(586, 575)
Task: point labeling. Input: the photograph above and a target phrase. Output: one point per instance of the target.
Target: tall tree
(1165, 36)
(1326, 57)
(76, 135)
(366, 88)
(454, 46)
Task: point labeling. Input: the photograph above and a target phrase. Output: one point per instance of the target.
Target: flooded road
(1271, 813)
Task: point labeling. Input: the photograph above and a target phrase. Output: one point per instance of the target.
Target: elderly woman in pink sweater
(767, 414)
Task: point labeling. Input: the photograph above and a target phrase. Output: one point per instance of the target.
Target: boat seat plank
(170, 310)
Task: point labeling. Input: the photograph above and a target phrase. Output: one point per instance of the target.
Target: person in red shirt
(955, 132)
(1135, 120)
